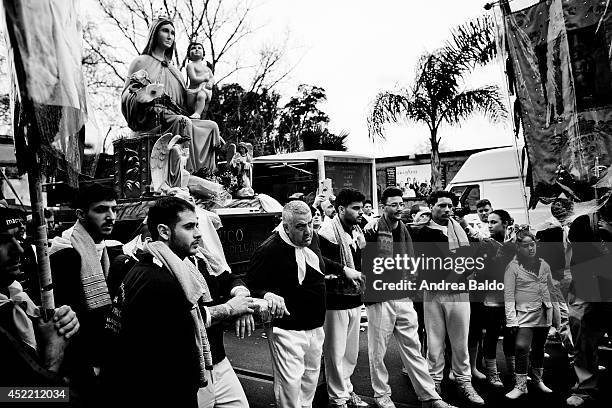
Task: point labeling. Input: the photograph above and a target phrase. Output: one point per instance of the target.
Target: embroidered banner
(561, 56)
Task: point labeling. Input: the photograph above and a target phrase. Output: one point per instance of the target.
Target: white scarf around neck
(454, 232)
(303, 256)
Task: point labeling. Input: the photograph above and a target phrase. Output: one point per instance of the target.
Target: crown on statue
(161, 14)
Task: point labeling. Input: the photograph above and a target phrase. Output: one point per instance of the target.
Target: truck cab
(282, 175)
(494, 174)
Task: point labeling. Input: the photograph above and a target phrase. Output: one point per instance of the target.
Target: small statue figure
(241, 165)
(199, 92)
(169, 158)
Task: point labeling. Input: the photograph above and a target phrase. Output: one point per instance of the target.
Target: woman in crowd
(529, 311)
(498, 252)
(316, 218)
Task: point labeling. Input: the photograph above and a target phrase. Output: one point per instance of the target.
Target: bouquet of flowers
(228, 180)
(145, 90)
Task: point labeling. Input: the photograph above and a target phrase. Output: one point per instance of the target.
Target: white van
(494, 175)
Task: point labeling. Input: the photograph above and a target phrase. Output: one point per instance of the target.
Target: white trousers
(397, 318)
(447, 313)
(340, 350)
(296, 361)
(223, 389)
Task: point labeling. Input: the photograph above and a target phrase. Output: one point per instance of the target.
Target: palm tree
(437, 95)
(320, 138)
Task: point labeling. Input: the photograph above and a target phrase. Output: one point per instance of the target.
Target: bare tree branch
(233, 71)
(124, 30)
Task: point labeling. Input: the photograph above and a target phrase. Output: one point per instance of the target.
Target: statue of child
(199, 91)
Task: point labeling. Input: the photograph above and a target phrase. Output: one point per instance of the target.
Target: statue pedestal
(132, 170)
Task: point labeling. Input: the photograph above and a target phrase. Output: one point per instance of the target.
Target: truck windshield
(468, 195)
(280, 180)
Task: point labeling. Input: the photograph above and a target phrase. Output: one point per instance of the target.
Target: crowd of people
(144, 325)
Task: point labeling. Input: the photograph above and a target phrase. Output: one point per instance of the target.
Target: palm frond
(420, 109)
(438, 80)
(331, 141)
(487, 100)
(472, 43)
(388, 107)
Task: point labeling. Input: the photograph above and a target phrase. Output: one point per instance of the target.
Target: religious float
(142, 174)
(171, 150)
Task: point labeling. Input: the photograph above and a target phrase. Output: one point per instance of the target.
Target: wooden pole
(40, 238)
(12, 9)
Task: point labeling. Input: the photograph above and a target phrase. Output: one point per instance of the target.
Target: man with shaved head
(288, 271)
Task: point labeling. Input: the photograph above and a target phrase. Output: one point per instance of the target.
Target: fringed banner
(560, 53)
(48, 87)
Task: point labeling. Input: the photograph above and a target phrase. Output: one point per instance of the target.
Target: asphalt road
(251, 356)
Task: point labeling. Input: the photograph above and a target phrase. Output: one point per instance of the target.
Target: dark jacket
(153, 357)
(273, 269)
(371, 295)
(496, 256)
(21, 364)
(341, 293)
(432, 245)
(551, 249)
(86, 349)
(591, 260)
(220, 287)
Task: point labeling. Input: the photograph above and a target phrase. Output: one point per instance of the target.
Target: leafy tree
(438, 95)
(299, 115)
(245, 116)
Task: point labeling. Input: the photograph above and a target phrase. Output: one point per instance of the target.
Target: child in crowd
(529, 311)
(199, 92)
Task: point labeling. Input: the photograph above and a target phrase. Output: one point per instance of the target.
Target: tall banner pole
(40, 240)
(11, 16)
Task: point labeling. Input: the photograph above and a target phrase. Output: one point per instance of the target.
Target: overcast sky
(355, 49)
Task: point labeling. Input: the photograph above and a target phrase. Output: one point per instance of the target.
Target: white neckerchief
(434, 225)
(303, 256)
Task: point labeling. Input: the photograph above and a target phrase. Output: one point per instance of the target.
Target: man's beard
(98, 233)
